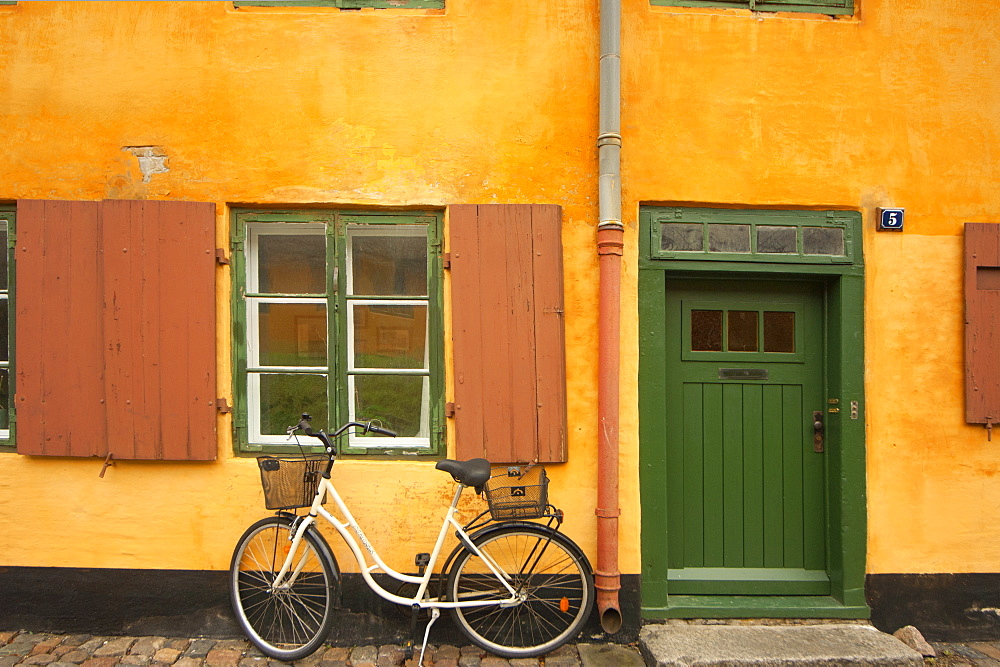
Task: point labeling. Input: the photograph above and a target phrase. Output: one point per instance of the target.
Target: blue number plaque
(890, 219)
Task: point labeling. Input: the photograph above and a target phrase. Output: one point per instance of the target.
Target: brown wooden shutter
(982, 323)
(115, 329)
(507, 315)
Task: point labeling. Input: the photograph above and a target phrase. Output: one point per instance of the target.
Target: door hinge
(449, 410)
(446, 260)
(220, 256)
(222, 405)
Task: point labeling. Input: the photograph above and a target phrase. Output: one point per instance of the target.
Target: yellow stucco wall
(897, 105)
(293, 106)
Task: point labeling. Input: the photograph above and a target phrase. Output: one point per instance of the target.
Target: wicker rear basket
(517, 492)
(290, 483)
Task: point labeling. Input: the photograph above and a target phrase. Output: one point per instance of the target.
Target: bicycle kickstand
(435, 613)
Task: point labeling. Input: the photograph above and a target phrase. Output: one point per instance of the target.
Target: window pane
(400, 402)
(729, 238)
(3, 258)
(779, 331)
(4, 328)
(706, 330)
(292, 334)
(822, 241)
(742, 330)
(776, 239)
(284, 397)
(390, 336)
(681, 236)
(4, 398)
(389, 262)
(291, 263)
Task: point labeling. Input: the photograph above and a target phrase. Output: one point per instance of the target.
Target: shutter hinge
(220, 256)
(449, 410)
(222, 405)
(237, 245)
(446, 260)
(11, 239)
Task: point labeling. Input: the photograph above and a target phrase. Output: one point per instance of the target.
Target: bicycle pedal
(422, 560)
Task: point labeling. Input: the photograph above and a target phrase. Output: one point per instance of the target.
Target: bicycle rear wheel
(553, 581)
(292, 622)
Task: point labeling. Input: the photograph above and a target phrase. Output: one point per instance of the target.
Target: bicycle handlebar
(305, 426)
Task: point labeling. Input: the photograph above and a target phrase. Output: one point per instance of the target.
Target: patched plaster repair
(152, 160)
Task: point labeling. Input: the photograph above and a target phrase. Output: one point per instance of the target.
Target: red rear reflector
(564, 605)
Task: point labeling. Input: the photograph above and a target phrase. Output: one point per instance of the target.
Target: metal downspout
(610, 235)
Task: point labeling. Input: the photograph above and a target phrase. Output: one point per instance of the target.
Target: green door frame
(843, 279)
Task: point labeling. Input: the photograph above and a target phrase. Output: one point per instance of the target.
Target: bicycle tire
(285, 625)
(549, 571)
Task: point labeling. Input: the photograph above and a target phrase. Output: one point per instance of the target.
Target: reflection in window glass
(391, 262)
(681, 236)
(822, 241)
(284, 397)
(779, 331)
(291, 263)
(776, 239)
(742, 330)
(390, 336)
(706, 330)
(399, 402)
(729, 238)
(292, 334)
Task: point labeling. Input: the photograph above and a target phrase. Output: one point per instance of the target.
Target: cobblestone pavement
(48, 650)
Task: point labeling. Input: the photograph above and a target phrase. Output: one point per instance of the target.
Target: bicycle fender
(337, 577)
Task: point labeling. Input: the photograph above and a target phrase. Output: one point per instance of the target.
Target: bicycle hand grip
(382, 431)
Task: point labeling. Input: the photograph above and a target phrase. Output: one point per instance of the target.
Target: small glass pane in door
(779, 331)
(743, 330)
(706, 330)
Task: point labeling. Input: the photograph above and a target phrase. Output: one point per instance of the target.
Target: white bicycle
(516, 588)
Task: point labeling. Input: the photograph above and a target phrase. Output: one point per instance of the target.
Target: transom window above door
(810, 237)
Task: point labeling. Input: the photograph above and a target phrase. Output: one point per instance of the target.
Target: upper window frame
(345, 4)
(829, 7)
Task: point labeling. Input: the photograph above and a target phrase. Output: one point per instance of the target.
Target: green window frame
(832, 7)
(338, 314)
(346, 4)
(7, 230)
(786, 237)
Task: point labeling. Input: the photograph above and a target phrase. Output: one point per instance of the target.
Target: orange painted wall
(898, 105)
(293, 106)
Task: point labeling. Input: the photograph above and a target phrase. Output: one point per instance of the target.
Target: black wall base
(944, 607)
(190, 603)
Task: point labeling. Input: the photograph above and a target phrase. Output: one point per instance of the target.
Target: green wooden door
(746, 511)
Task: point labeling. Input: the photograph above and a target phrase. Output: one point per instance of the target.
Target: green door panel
(746, 508)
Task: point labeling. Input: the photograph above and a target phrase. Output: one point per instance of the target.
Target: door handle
(818, 432)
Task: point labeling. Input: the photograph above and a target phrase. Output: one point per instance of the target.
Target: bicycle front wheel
(553, 582)
(291, 621)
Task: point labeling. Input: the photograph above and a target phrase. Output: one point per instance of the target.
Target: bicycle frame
(418, 600)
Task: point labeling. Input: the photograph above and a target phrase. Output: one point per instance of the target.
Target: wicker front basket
(290, 483)
(517, 492)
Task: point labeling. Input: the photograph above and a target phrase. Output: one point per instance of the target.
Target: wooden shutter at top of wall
(982, 323)
(115, 330)
(507, 317)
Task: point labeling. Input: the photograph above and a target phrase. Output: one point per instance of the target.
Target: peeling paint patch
(152, 160)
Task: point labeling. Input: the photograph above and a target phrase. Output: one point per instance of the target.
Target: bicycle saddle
(474, 472)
